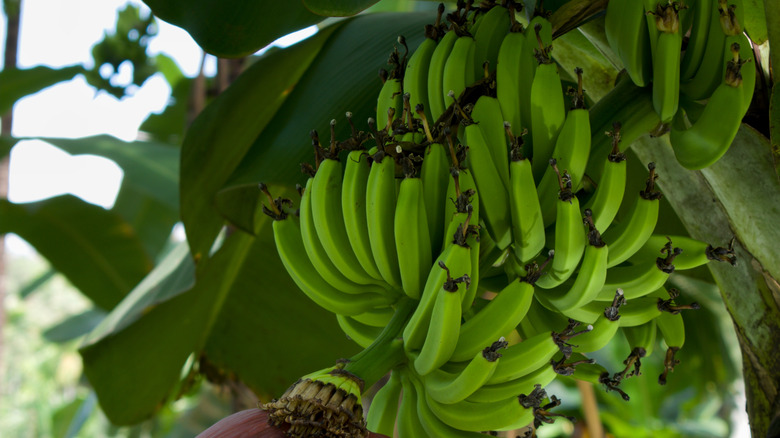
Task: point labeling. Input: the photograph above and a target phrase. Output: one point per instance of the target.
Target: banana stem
(590, 409)
(386, 351)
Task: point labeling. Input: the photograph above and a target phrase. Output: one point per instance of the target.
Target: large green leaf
(337, 8)
(93, 247)
(243, 303)
(151, 219)
(234, 28)
(151, 167)
(218, 139)
(17, 83)
(343, 78)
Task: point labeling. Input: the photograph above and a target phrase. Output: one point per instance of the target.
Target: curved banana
(527, 222)
(319, 257)
(416, 74)
(638, 280)
(458, 71)
(436, 95)
(569, 235)
(498, 317)
(528, 66)
(412, 241)
(591, 277)
(672, 329)
(457, 258)
(548, 112)
(666, 61)
(572, 150)
(494, 207)
(384, 406)
(492, 29)
(380, 213)
(435, 174)
(408, 424)
(626, 28)
(709, 72)
(430, 423)
(465, 415)
(487, 114)
(444, 326)
(508, 67)
(710, 137)
(287, 236)
(363, 335)
(603, 329)
(697, 42)
(329, 219)
(608, 196)
(543, 376)
(629, 235)
(695, 253)
(389, 103)
(353, 207)
(446, 387)
(378, 317)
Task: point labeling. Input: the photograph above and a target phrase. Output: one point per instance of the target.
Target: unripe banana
(695, 253)
(493, 27)
(363, 335)
(509, 65)
(606, 201)
(458, 71)
(446, 387)
(666, 61)
(416, 75)
(436, 95)
(380, 213)
(384, 406)
(412, 241)
(527, 221)
(625, 26)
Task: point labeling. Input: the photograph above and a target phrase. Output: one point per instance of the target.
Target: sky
(62, 33)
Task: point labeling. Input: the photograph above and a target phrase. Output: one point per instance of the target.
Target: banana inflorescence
(478, 222)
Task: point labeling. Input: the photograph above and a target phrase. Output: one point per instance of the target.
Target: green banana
(363, 335)
(543, 376)
(572, 149)
(499, 316)
(289, 244)
(378, 317)
(412, 241)
(666, 61)
(527, 356)
(672, 329)
(629, 235)
(591, 277)
(416, 74)
(569, 235)
(528, 66)
(389, 103)
(430, 423)
(548, 112)
(697, 42)
(317, 254)
(408, 424)
(527, 223)
(695, 253)
(458, 72)
(608, 196)
(380, 213)
(642, 336)
(329, 218)
(435, 174)
(353, 206)
(436, 95)
(457, 258)
(488, 36)
(505, 414)
(384, 406)
(708, 74)
(446, 387)
(625, 26)
(603, 329)
(488, 115)
(494, 207)
(710, 137)
(508, 67)
(444, 326)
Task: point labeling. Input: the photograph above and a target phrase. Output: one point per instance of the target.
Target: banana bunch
(700, 93)
(483, 222)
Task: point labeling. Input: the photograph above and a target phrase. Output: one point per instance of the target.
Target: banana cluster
(716, 66)
(471, 197)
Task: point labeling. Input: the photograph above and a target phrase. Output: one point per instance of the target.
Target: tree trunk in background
(12, 10)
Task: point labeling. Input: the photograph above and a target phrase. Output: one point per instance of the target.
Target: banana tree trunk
(737, 197)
